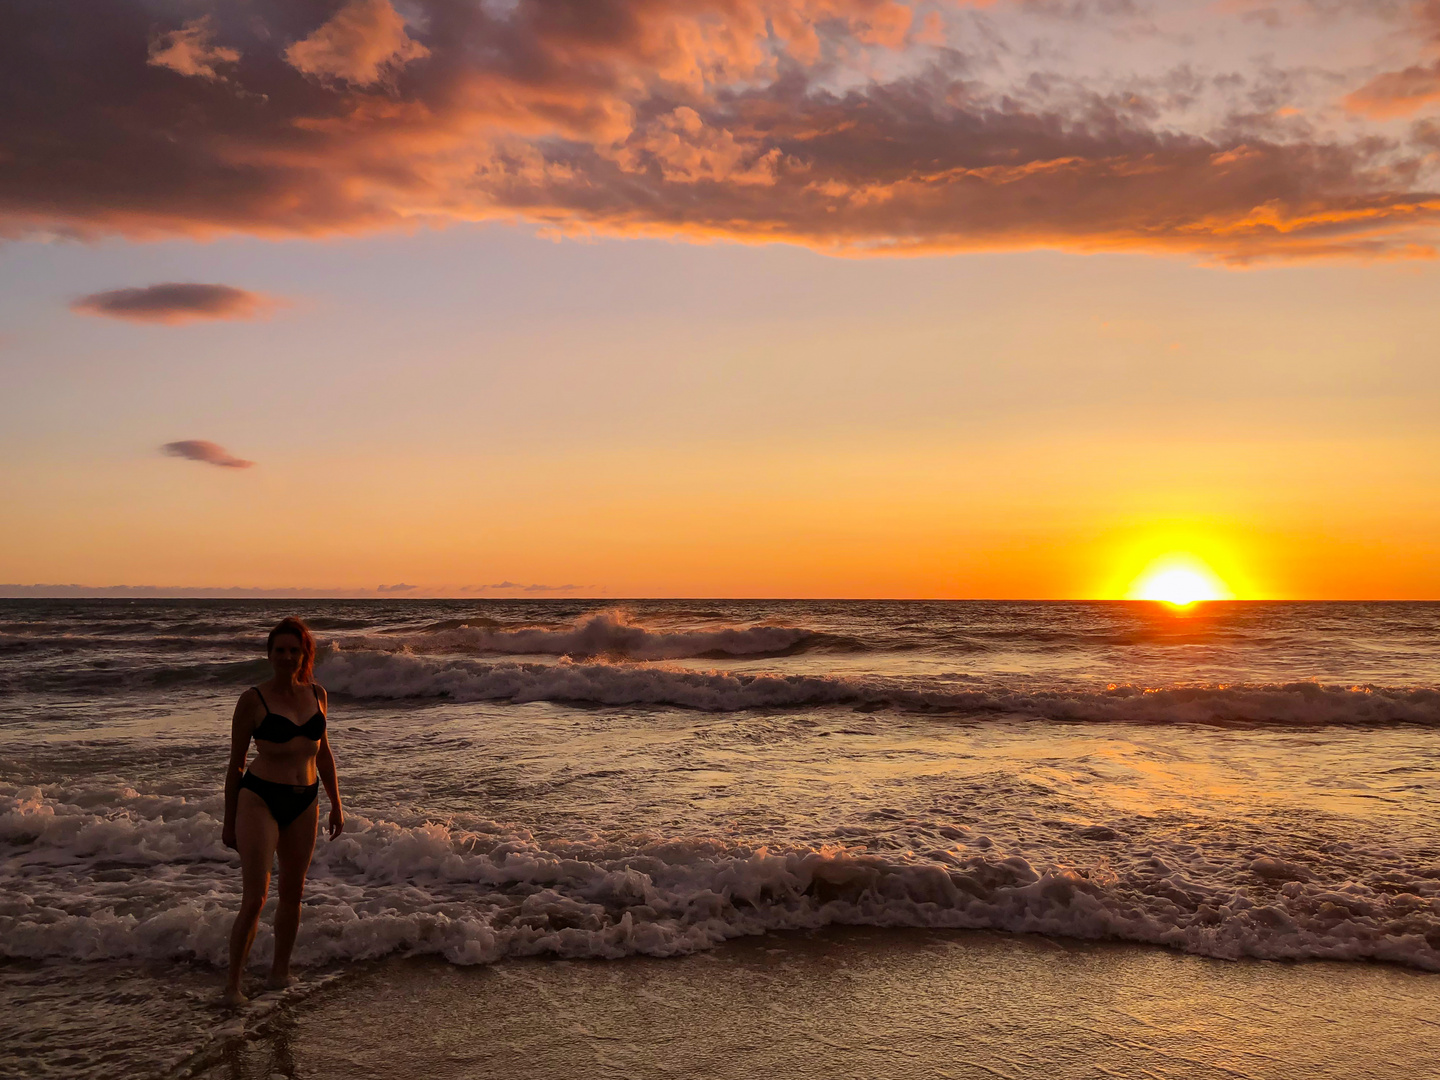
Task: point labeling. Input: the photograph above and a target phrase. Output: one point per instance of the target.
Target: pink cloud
(190, 51)
(1401, 93)
(1397, 93)
(814, 122)
(208, 452)
(363, 43)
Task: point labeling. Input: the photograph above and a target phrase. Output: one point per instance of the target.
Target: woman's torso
(283, 723)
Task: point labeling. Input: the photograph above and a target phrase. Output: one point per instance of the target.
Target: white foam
(371, 674)
(108, 872)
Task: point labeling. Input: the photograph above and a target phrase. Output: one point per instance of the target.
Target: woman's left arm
(325, 766)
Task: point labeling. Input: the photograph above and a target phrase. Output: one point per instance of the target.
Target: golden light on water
(1181, 579)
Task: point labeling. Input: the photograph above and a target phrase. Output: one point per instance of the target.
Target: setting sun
(1179, 579)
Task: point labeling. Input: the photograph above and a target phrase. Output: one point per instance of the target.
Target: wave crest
(607, 634)
(398, 675)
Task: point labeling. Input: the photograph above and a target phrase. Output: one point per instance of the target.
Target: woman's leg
(255, 834)
(295, 846)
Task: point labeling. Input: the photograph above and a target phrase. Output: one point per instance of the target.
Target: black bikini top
(277, 728)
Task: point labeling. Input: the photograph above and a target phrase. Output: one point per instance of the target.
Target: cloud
(208, 452)
(363, 43)
(15, 591)
(1400, 93)
(190, 51)
(401, 587)
(1397, 93)
(849, 126)
(175, 302)
(514, 586)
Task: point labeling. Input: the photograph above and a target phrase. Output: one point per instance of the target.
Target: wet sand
(853, 1003)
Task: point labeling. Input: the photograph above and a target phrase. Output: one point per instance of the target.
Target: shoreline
(855, 1001)
(851, 1002)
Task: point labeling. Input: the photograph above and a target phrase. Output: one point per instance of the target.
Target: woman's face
(285, 655)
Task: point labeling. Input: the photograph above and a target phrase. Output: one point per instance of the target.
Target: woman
(271, 808)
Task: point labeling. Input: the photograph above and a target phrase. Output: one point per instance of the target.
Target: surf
(366, 674)
(485, 891)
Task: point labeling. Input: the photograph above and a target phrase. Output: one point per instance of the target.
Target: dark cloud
(208, 452)
(401, 587)
(743, 119)
(174, 302)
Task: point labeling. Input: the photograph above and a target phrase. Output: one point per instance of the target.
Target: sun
(1179, 579)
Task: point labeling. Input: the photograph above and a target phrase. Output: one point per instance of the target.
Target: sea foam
(108, 872)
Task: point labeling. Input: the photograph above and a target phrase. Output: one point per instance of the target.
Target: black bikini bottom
(285, 801)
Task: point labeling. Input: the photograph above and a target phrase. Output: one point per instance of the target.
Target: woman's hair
(297, 629)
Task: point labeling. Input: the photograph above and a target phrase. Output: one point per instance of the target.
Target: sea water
(597, 780)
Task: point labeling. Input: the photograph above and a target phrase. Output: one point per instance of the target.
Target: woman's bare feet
(279, 982)
(233, 997)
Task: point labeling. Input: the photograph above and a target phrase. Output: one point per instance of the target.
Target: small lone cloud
(400, 587)
(175, 302)
(208, 452)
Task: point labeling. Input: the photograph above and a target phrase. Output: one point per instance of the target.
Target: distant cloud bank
(163, 592)
(159, 592)
(514, 586)
(208, 452)
(1236, 131)
(175, 302)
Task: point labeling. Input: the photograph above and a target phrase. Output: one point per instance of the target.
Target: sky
(621, 298)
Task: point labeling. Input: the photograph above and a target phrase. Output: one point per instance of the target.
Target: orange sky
(731, 298)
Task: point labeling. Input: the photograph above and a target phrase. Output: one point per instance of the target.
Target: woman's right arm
(240, 727)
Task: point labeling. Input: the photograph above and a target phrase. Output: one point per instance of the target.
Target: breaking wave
(112, 873)
(400, 675)
(608, 634)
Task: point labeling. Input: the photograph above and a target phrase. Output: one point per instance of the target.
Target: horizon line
(563, 593)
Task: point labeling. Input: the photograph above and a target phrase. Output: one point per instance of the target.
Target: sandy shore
(843, 1003)
(861, 1003)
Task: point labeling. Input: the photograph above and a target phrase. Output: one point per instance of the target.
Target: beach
(741, 838)
(856, 1002)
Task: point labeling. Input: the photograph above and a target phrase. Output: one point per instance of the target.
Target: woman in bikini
(272, 808)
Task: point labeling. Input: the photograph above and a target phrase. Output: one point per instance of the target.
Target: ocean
(752, 788)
